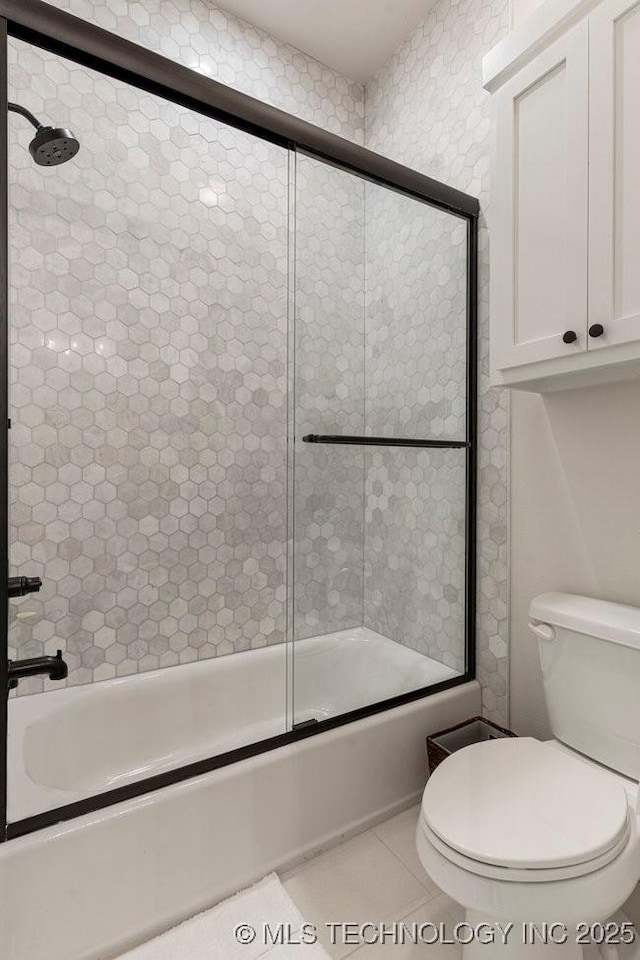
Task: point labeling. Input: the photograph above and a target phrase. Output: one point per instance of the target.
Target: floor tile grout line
(427, 893)
(406, 915)
(416, 905)
(406, 865)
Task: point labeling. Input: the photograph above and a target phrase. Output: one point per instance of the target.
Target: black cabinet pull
(570, 336)
(596, 330)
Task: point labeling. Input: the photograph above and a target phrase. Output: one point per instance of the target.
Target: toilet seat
(490, 871)
(519, 810)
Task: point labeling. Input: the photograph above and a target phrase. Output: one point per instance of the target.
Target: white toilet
(528, 832)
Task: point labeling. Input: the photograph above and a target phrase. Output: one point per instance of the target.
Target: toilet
(525, 832)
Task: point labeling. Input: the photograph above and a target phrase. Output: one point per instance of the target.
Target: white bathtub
(79, 741)
(96, 886)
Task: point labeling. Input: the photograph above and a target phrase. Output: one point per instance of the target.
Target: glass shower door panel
(379, 535)
(148, 308)
(329, 523)
(406, 583)
(328, 373)
(415, 556)
(415, 318)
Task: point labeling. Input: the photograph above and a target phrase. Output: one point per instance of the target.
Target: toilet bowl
(523, 832)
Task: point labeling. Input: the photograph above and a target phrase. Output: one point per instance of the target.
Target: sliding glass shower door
(148, 305)
(381, 443)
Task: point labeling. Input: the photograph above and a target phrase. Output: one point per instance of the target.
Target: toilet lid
(519, 803)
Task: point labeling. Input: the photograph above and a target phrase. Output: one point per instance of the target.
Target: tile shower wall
(213, 42)
(149, 336)
(149, 312)
(427, 109)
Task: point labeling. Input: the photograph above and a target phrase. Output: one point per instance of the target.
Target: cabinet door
(539, 221)
(614, 175)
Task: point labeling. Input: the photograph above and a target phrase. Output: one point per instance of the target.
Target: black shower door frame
(44, 26)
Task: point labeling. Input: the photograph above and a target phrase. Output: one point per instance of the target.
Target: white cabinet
(614, 179)
(540, 206)
(565, 217)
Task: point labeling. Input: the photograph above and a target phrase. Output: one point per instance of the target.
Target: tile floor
(374, 878)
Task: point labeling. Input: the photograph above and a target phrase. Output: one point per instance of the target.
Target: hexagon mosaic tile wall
(199, 35)
(149, 285)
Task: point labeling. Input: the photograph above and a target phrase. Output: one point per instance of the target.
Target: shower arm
(16, 108)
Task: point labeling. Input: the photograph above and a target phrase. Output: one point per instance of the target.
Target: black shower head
(51, 145)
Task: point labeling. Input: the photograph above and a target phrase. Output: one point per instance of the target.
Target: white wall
(520, 10)
(575, 514)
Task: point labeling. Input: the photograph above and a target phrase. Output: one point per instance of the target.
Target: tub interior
(73, 743)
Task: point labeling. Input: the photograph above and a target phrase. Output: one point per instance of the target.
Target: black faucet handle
(21, 586)
(59, 669)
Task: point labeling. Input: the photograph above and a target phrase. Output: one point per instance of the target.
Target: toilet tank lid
(615, 622)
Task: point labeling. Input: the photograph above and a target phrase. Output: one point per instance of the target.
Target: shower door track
(42, 25)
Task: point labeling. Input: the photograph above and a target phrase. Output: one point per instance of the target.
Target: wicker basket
(437, 750)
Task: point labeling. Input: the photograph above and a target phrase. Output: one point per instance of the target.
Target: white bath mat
(265, 909)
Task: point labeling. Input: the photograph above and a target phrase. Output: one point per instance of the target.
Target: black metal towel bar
(385, 441)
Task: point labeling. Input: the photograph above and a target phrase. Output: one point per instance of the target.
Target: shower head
(51, 145)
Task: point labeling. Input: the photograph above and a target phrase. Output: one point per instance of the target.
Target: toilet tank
(590, 657)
